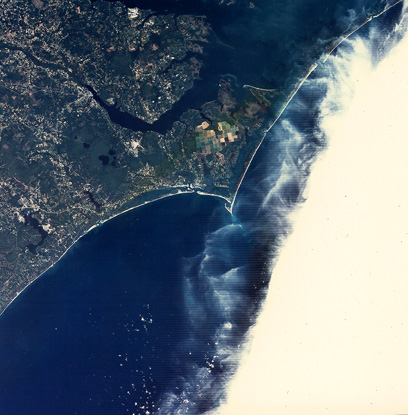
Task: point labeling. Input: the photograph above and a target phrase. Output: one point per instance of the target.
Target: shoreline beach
(229, 203)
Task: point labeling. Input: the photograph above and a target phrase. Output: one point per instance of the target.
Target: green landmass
(66, 165)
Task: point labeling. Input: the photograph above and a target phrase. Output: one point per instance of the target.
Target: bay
(145, 313)
(106, 327)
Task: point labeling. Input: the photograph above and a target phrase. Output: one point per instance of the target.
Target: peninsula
(104, 107)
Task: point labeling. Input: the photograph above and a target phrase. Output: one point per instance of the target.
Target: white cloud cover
(333, 335)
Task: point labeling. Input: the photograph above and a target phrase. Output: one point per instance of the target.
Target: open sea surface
(145, 314)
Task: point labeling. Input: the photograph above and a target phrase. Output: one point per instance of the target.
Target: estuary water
(149, 313)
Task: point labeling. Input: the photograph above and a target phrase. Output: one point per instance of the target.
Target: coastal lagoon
(332, 335)
(149, 312)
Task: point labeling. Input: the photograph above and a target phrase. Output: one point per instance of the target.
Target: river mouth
(249, 45)
(87, 378)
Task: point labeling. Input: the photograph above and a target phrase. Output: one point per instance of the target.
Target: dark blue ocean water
(108, 326)
(144, 314)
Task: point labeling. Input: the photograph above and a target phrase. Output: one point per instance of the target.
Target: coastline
(347, 35)
(299, 84)
(100, 223)
(188, 190)
(292, 94)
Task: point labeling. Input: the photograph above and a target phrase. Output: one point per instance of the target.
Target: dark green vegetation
(89, 120)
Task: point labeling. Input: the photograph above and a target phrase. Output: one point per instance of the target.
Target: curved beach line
(180, 191)
(100, 223)
(324, 57)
